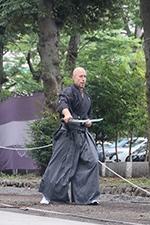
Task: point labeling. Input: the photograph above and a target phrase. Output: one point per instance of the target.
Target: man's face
(80, 78)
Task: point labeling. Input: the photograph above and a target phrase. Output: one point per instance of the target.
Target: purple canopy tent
(15, 113)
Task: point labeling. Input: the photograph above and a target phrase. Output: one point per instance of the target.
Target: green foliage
(41, 133)
(116, 82)
(115, 62)
(18, 17)
(74, 16)
(81, 16)
(20, 82)
(115, 65)
(19, 79)
(117, 99)
(108, 44)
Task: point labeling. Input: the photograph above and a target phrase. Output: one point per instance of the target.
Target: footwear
(94, 202)
(44, 201)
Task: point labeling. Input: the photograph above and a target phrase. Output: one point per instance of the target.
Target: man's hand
(88, 124)
(67, 115)
(68, 119)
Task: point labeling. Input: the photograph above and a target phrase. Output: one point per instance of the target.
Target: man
(74, 157)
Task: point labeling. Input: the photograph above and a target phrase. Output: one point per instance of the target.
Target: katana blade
(85, 121)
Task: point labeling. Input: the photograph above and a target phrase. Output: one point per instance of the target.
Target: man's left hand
(88, 124)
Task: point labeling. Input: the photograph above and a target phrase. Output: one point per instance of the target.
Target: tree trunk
(72, 54)
(36, 73)
(104, 155)
(130, 146)
(146, 154)
(116, 150)
(145, 16)
(48, 51)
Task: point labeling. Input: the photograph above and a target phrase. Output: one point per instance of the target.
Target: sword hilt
(62, 120)
(69, 120)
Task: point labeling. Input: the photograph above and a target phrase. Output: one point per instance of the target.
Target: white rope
(45, 146)
(25, 149)
(124, 178)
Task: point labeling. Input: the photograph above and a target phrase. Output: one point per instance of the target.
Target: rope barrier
(25, 149)
(124, 178)
(45, 146)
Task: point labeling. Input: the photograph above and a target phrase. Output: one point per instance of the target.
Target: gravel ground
(14, 191)
(29, 187)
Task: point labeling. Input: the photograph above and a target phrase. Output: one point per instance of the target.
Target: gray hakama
(74, 157)
(74, 160)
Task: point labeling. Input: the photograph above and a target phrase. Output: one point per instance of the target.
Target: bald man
(74, 159)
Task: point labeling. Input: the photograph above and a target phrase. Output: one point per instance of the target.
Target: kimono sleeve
(90, 112)
(65, 98)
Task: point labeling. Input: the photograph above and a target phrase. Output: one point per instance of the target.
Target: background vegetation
(107, 41)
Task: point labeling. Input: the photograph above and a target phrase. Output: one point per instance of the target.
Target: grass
(142, 181)
(30, 176)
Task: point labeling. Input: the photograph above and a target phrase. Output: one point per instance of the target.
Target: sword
(83, 121)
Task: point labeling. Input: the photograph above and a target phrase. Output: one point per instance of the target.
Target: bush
(41, 133)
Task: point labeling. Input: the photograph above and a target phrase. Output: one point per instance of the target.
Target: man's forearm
(67, 115)
(66, 112)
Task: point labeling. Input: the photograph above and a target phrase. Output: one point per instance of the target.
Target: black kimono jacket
(71, 98)
(74, 158)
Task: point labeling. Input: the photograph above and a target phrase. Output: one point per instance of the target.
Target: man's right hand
(67, 115)
(68, 119)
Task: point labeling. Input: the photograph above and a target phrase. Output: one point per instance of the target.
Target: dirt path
(112, 209)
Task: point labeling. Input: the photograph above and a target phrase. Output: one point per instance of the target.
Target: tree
(145, 16)
(118, 102)
(116, 69)
(1, 60)
(11, 27)
(72, 54)
(73, 16)
(18, 78)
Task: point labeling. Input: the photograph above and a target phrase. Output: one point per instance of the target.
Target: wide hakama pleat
(74, 159)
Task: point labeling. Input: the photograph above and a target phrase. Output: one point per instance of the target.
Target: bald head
(78, 71)
(79, 76)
